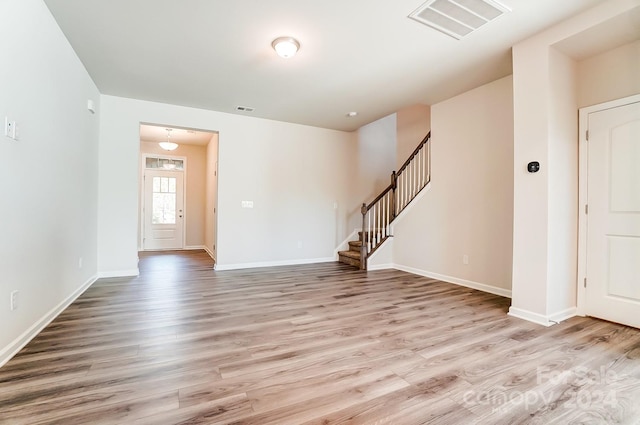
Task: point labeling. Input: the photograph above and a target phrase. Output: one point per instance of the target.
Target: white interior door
(163, 210)
(613, 220)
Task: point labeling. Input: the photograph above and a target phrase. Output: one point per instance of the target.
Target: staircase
(352, 256)
(377, 216)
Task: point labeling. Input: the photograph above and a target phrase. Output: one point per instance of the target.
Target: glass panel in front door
(164, 200)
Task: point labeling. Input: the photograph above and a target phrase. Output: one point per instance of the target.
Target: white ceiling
(614, 32)
(181, 136)
(356, 55)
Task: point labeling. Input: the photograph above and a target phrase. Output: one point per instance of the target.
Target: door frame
(583, 174)
(141, 194)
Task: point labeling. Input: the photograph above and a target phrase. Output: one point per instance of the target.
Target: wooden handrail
(378, 215)
(384, 192)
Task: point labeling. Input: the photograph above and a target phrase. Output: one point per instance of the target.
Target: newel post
(363, 247)
(394, 185)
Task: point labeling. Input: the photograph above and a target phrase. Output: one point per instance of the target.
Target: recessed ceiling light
(352, 114)
(285, 47)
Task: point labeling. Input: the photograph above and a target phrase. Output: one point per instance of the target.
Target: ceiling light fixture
(168, 145)
(285, 47)
(352, 114)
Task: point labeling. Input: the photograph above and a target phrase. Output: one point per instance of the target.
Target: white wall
(211, 196)
(48, 179)
(611, 75)
(294, 174)
(195, 185)
(376, 155)
(540, 136)
(531, 198)
(563, 184)
(468, 208)
(412, 125)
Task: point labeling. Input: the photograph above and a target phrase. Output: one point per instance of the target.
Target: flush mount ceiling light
(352, 114)
(168, 145)
(285, 47)
(458, 18)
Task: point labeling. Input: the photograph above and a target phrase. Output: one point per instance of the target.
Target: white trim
(411, 205)
(18, 344)
(389, 266)
(563, 315)
(529, 316)
(583, 126)
(344, 245)
(195, 248)
(119, 273)
(386, 245)
(462, 282)
(548, 320)
(206, 248)
(274, 263)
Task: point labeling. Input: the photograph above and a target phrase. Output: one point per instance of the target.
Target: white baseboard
(274, 263)
(381, 267)
(530, 316)
(540, 319)
(119, 273)
(195, 247)
(462, 282)
(563, 315)
(18, 344)
(206, 248)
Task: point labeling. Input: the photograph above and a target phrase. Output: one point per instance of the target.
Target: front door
(613, 220)
(163, 210)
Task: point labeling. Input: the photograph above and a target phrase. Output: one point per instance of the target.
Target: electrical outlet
(14, 300)
(10, 128)
(465, 259)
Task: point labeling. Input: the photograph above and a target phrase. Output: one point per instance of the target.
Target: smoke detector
(458, 18)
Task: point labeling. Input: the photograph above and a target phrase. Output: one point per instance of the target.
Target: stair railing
(405, 185)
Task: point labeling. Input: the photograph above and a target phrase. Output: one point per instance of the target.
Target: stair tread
(351, 254)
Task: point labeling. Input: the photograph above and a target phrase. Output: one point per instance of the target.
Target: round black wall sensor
(533, 167)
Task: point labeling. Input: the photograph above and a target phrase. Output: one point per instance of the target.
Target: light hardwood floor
(313, 344)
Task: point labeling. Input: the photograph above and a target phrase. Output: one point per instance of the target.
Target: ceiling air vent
(458, 18)
(244, 109)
